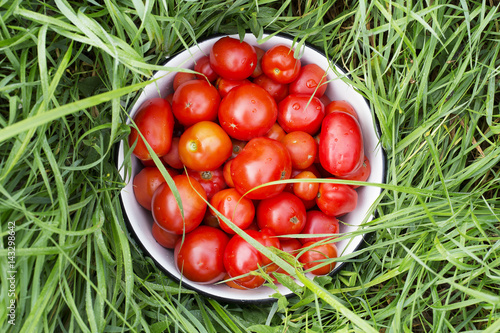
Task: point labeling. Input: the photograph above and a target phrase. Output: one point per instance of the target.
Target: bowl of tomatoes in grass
(261, 139)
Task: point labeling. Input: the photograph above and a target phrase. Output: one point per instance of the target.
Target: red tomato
(362, 174)
(199, 257)
(234, 207)
(206, 71)
(166, 212)
(232, 59)
(342, 106)
(275, 133)
(301, 113)
(146, 182)
(224, 86)
(182, 77)
(204, 146)
(277, 90)
(227, 173)
(195, 101)
(212, 181)
(247, 111)
(284, 214)
(303, 190)
(341, 149)
(291, 246)
(302, 148)
(318, 223)
(311, 80)
(258, 69)
(164, 238)
(261, 161)
(336, 199)
(316, 257)
(280, 65)
(238, 146)
(155, 121)
(172, 157)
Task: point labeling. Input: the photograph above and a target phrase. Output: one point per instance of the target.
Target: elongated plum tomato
(194, 101)
(279, 64)
(247, 111)
(232, 59)
(146, 182)
(204, 146)
(155, 121)
(261, 161)
(166, 212)
(341, 149)
(199, 257)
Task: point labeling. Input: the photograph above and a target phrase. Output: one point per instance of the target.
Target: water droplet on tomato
(311, 83)
(296, 106)
(253, 102)
(243, 60)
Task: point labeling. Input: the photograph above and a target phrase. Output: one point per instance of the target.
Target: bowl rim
(269, 299)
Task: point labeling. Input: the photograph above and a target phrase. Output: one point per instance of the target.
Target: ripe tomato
(232, 59)
(311, 81)
(280, 64)
(182, 77)
(195, 101)
(277, 90)
(164, 238)
(166, 212)
(362, 174)
(302, 148)
(212, 181)
(261, 161)
(342, 106)
(303, 190)
(258, 69)
(301, 113)
(234, 207)
(155, 121)
(336, 199)
(238, 146)
(275, 133)
(247, 111)
(341, 149)
(284, 214)
(224, 86)
(227, 173)
(204, 146)
(318, 223)
(172, 157)
(146, 182)
(316, 257)
(206, 71)
(291, 246)
(199, 257)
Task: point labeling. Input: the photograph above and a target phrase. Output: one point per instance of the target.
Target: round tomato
(301, 113)
(315, 259)
(261, 161)
(277, 90)
(206, 71)
(302, 148)
(172, 157)
(224, 86)
(212, 181)
(195, 101)
(341, 149)
(275, 133)
(164, 238)
(199, 257)
(318, 223)
(284, 214)
(341, 106)
(305, 190)
(204, 146)
(311, 81)
(182, 77)
(234, 207)
(166, 212)
(233, 59)
(155, 121)
(336, 199)
(280, 64)
(146, 182)
(247, 111)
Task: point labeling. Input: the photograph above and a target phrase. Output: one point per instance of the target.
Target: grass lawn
(430, 71)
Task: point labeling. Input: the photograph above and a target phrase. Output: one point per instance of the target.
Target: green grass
(430, 72)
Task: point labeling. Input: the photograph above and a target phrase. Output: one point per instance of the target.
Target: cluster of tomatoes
(246, 118)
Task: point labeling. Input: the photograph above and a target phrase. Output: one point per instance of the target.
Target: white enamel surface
(141, 220)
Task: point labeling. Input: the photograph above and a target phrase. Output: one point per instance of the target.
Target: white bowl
(140, 220)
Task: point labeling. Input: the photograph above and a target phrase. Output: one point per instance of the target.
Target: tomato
(280, 64)
(238, 146)
(291, 246)
(204, 146)
(206, 71)
(258, 69)
(311, 81)
(146, 182)
(301, 113)
(318, 223)
(302, 148)
(275, 133)
(212, 181)
(227, 173)
(277, 90)
(362, 174)
(195, 101)
(182, 77)
(316, 257)
(341, 149)
(166, 212)
(234, 207)
(261, 161)
(336, 199)
(199, 257)
(284, 214)
(342, 106)
(164, 238)
(247, 111)
(224, 86)
(172, 157)
(232, 59)
(155, 121)
(305, 190)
